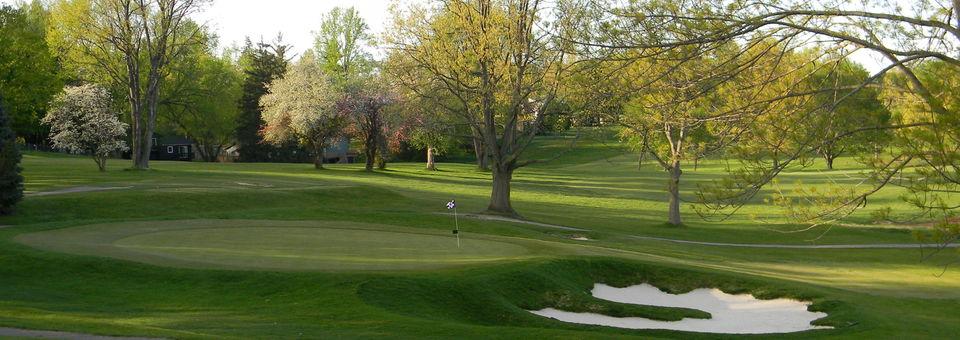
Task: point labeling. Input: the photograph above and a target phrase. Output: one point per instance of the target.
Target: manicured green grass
(91, 265)
(286, 245)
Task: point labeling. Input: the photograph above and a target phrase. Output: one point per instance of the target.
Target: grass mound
(504, 295)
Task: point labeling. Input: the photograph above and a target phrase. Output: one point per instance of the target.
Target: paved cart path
(75, 190)
(800, 246)
(29, 333)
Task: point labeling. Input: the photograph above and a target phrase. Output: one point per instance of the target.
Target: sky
(235, 20)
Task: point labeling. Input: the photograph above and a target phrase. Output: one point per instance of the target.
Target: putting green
(281, 245)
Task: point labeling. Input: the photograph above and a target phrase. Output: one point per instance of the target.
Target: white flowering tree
(301, 106)
(82, 121)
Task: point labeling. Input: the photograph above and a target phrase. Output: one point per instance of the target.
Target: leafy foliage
(497, 62)
(130, 45)
(81, 120)
(339, 45)
(11, 182)
(819, 34)
(28, 71)
(934, 184)
(365, 105)
(262, 63)
(201, 103)
(301, 107)
(839, 111)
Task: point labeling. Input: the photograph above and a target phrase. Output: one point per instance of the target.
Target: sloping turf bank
(503, 296)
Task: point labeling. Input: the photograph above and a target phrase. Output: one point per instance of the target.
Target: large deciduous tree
(665, 122)
(82, 120)
(340, 46)
(28, 71)
(201, 101)
(130, 43)
(340, 43)
(904, 37)
(431, 127)
(695, 109)
(430, 130)
(301, 106)
(11, 182)
(835, 117)
(365, 103)
(497, 61)
(933, 187)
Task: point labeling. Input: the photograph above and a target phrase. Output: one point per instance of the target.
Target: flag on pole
(452, 205)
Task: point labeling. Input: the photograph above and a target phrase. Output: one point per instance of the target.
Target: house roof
(173, 140)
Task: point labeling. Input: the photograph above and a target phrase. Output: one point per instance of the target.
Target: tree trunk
(431, 164)
(149, 125)
(135, 143)
(830, 154)
(142, 143)
(370, 153)
(381, 162)
(136, 112)
(214, 153)
(142, 158)
(500, 196)
(673, 187)
(384, 153)
(319, 156)
(207, 151)
(481, 154)
(101, 162)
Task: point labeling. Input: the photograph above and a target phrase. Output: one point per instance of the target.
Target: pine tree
(11, 182)
(263, 64)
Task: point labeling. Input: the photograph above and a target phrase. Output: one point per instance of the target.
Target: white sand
(732, 314)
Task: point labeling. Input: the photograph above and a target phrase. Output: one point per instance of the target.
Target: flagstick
(456, 221)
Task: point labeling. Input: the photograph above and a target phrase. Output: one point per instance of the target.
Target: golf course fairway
(278, 245)
(185, 252)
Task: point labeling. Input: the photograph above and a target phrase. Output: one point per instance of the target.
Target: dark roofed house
(339, 152)
(172, 148)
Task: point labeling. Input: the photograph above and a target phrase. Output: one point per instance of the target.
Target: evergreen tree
(11, 182)
(263, 63)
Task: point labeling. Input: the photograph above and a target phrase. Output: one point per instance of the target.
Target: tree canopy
(130, 44)
(29, 73)
(301, 106)
(82, 120)
(496, 62)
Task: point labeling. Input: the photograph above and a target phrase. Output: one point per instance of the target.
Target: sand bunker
(732, 314)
